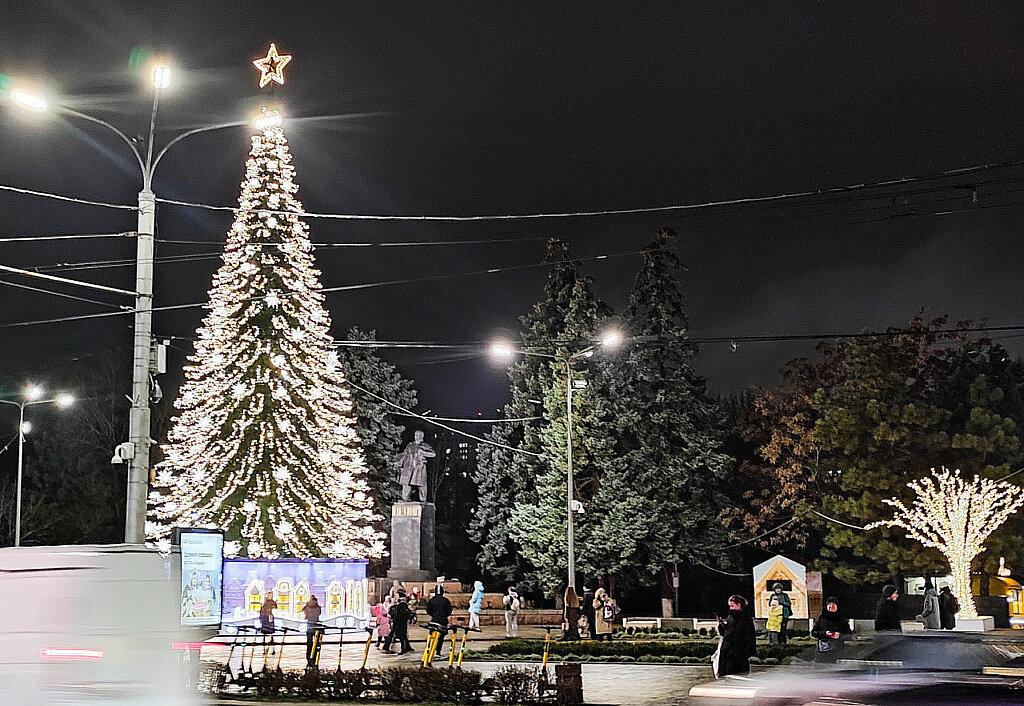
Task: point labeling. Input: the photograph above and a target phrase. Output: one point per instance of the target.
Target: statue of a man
(414, 467)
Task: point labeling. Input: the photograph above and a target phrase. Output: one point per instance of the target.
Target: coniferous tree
(660, 460)
(505, 478)
(379, 429)
(265, 445)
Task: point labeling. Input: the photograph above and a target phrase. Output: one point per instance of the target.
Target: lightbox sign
(340, 586)
(202, 560)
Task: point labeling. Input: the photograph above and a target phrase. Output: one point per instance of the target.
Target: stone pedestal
(412, 542)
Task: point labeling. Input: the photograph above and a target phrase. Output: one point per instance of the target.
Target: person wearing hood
(739, 639)
(931, 612)
(949, 606)
(476, 604)
(887, 614)
(512, 605)
(787, 609)
(830, 630)
(439, 608)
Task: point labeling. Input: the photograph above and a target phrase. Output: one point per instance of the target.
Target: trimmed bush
(634, 649)
(516, 685)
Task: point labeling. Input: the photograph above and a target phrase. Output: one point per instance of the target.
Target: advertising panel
(339, 585)
(202, 557)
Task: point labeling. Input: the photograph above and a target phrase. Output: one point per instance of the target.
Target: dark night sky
(470, 108)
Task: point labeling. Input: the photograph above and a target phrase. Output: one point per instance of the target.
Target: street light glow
(161, 76)
(29, 100)
(34, 392)
(65, 400)
(268, 119)
(611, 338)
(502, 350)
(26, 427)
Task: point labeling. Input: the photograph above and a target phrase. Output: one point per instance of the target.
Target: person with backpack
(512, 605)
(949, 606)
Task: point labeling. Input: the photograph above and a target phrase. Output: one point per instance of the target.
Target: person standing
(311, 611)
(739, 639)
(830, 630)
(380, 611)
(787, 610)
(512, 605)
(439, 608)
(931, 611)
(476, 604)
(948, 608)
(588, 611)
(267, 620)
(571, 615)
(773, 625)
(401, 616)
(887, 613)
(604, 614)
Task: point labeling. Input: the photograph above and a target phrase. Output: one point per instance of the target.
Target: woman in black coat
(887, 614)
(830, 630)
(739, 639)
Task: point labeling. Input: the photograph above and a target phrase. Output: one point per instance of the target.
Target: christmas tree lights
(956, 517)
(264, 444)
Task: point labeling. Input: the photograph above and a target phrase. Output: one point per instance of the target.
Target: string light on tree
(955, 516)
(264, 444)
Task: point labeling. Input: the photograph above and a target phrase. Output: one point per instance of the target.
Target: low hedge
(628, 650)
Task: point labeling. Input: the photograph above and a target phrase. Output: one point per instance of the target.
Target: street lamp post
(33, 395)
(505, 350)
(136, 451)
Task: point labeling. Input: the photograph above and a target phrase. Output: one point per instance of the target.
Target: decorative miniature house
(790, 574)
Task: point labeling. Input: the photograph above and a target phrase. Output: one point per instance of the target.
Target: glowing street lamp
(161, 77)
(29, 100)
(34, 394)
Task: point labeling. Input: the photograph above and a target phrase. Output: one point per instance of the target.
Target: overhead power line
(431, 420)
(754, 200)
(71, 236)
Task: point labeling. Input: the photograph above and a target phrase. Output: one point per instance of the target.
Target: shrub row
(404, 684)
(636, 649)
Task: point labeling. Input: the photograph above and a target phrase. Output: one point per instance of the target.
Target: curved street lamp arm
(182, 136)
(104, 123)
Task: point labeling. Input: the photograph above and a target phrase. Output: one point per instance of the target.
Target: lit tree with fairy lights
(955, 516)
(264, 445)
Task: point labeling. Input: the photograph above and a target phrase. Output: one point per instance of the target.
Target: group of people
(593, 615)
(831, 629)
(391, 619)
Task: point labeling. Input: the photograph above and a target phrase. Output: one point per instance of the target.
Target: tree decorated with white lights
(955, 516)
(264, 445)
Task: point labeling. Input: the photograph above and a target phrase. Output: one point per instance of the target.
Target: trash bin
(569, 683)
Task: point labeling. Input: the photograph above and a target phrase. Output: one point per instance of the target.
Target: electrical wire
(431, 420)
(763, 534)
(65, 296)
(471, 420)
(756, 200)
(73, 236)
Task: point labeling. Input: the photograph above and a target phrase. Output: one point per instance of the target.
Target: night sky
(474, 108)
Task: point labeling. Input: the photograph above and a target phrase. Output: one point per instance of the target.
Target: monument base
(412, 542)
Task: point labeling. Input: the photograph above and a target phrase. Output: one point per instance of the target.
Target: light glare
(611, 338)
(502, 350)
(29, 100)
(34, 392)
(26, 428)
(161, 77)
(65, 400)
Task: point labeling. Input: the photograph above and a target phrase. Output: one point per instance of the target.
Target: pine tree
(659, 449)
(379, 430)
(506, 478)
(265, 445)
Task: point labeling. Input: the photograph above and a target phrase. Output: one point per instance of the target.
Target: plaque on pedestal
(412, 542)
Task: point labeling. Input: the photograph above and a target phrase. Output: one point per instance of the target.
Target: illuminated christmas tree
(956, 517)
(264, 445)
